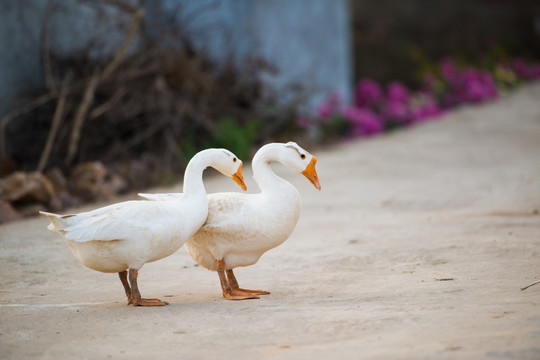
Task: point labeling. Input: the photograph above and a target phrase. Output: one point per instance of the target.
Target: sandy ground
(416, 248)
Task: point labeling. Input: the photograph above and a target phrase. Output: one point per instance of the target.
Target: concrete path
(416, 248)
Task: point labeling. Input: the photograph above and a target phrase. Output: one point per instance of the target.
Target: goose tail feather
(57, 221)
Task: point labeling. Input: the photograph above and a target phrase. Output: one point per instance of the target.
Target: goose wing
(161, 196)
(226, 212)
(130, 219)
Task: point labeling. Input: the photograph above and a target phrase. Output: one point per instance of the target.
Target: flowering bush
(525, 71)
(375, 109)
(461, 86)
(362, 121)
(368, 93)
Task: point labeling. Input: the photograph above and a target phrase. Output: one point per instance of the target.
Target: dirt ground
(416, 248)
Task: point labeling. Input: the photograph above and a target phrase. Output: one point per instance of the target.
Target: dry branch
(78, 122)
(18, 112)
(200, 11)
(31, 105)
(128, 75)
(45, 53)
(528, 286)
(159, 101)
(122, 5)
(148, 133)
(57, 118)
(106, 106)
(130, 35)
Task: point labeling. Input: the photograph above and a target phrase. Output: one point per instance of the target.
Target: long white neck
(193, 182)
(263, 174)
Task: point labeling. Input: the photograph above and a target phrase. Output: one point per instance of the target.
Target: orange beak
(311, 174)
(239, 179)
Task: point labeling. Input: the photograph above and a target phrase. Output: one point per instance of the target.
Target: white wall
(307, 40)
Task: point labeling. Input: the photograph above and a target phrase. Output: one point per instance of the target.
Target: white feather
(162, 196)
(129, 234)
(242, 227)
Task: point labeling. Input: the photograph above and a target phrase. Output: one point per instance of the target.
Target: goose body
(242, 227)
(126, 235)
(129, 234)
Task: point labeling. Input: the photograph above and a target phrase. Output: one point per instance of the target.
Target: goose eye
(302, 156)
(234, 159)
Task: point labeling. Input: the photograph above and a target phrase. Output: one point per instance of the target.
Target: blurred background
(100, 97)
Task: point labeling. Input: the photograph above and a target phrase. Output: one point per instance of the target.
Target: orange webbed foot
(238, 295)
(147, 302)
(255, 292)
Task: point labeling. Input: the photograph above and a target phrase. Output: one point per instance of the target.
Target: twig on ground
(528, 286)
(57, 118)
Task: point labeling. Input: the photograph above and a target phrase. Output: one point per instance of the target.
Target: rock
(86, 179)
(22, 187)
(7, 166)
(114, 185)
(62, 198)
(23, 194)
(7, 212)
(57, 179)
(91, 181)
(31, 209)
(139, 173)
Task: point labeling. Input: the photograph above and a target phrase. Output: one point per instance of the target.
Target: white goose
(242, 227)
(123, 237)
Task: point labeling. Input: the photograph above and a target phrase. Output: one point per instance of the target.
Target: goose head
(229, 165)
(300, 161)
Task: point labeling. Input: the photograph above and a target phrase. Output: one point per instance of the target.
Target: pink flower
(362, 122)
(525, 71)
(465, 86)
(303, 121)
(426, 112)
(429, 82)
(330, 106)
(397, 112)
(425, 108)
(535, 71)
(397, 92)
(449, 70)
(477, 86)
(367, 93)
(490, 89)
(521, 68)
(325, 110)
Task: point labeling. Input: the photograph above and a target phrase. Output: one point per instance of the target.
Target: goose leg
(234, 285)
(136, 299)
(228, 292)
(124, 279)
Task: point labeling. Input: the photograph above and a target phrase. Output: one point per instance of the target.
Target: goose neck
(262, 171)
(193, 182)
